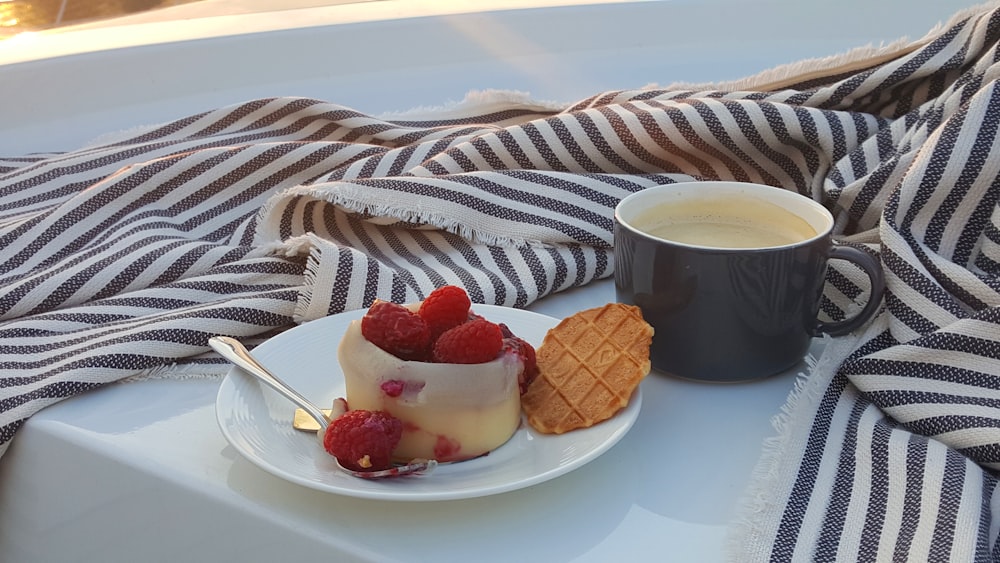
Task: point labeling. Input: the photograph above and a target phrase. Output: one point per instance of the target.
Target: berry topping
(474, 342)
(446, 448)
(505, 330)
(363, 440)
(526, 352)
(393, 387)
(397, 330)
(398, 387)
(444, 308)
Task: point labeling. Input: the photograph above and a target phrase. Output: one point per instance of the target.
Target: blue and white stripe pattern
(123, 257)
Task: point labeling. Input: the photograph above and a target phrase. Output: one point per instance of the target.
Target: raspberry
(363, 440)
(474, 342)
(393, 387)
(526, 351)
(397, 330)
(444, 308)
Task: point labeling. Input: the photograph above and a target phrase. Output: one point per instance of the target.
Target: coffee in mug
(730, 275)
(720, 222)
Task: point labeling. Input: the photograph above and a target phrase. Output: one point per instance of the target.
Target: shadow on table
(553, 521)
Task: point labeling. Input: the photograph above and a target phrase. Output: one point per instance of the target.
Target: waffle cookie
(588, 366)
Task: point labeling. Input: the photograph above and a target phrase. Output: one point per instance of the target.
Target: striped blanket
(121, 258)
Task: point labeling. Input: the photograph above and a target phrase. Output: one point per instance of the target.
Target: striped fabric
(123, 257)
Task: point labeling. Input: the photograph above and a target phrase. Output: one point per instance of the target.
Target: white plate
(258, 422)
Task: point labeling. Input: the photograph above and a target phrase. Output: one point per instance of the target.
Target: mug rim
(787, 195)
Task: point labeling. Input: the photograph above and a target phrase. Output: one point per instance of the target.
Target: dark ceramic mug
(730, 275)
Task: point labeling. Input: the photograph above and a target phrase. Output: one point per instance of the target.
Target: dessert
(452, 379)
(435, 381)
(588, 366)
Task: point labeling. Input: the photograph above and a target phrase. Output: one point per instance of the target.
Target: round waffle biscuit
(588, 366)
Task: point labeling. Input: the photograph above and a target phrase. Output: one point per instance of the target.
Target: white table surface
(141, 472)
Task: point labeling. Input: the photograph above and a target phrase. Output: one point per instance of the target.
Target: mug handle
(871, 267)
